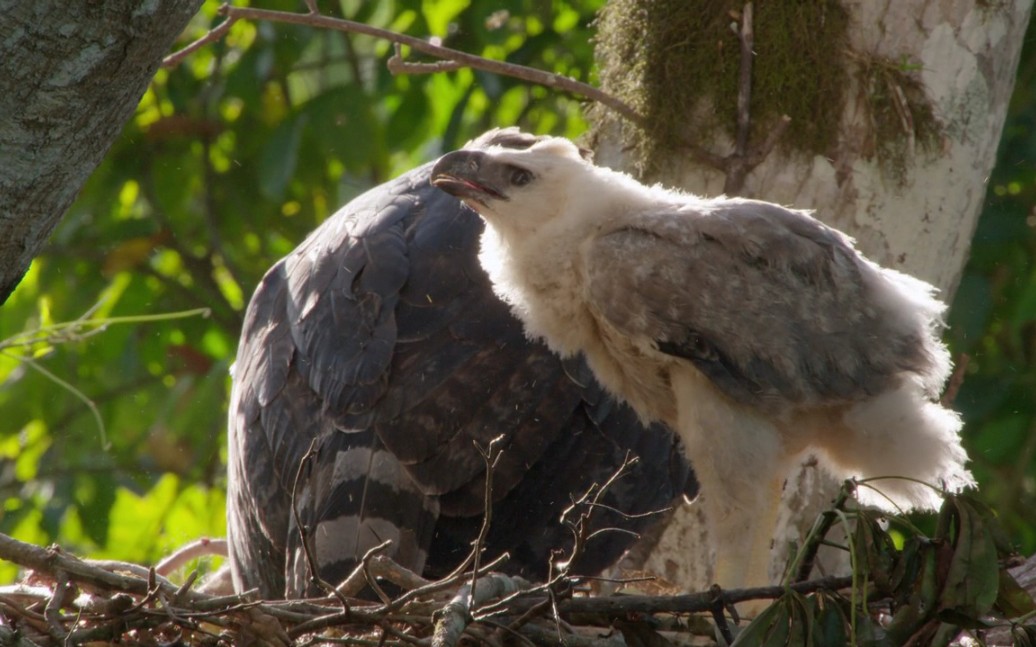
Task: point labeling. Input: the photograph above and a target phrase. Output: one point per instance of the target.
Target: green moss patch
(680, 63)
(900, 114)
(677, 63)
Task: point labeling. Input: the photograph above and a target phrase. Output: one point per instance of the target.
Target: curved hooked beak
(467, 174)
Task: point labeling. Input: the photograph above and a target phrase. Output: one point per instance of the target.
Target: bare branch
(457, 57)
(491, 455)
(745, 37)
(52, 612)
(744, 158)
(383, 567)
(620, 605)
(123, 601)
(214, 34)
(397, 65)
(956, 380)
(193, 550)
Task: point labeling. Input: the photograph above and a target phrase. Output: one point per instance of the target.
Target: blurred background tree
(235, 155)
(993, 320)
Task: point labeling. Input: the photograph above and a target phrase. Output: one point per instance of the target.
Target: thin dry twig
(458, 58)
(491, 455)
(372, 580)
(949, 396)
(744, 158)
(304, 536)
(214, 34)
(193, 550)
(380, 566)
(122, 603)
(396, 64)
(559, 581)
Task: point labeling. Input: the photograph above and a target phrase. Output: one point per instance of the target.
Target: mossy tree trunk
(896, 110)
(71, 74)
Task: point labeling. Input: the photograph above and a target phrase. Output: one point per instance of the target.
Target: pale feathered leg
(740, 463)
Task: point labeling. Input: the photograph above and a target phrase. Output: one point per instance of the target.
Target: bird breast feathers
(542, 287)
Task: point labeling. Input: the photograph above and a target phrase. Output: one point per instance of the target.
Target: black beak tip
(457, 173)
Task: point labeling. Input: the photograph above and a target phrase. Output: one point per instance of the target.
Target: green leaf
(802, 613)
(280, 157)
(439, 13)
(829, 625)
(768, 629)
(94, 498)
(920, 600)
(875, 550)
(973, 578)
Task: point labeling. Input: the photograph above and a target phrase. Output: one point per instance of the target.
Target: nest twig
(70, 601)
(67, 601)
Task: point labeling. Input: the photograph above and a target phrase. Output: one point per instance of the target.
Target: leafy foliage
(929, 588)
(993, 321)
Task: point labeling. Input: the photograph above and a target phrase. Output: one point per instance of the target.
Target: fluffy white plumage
(755, 331)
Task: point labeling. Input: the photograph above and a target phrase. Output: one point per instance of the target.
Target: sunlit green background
(233, 157)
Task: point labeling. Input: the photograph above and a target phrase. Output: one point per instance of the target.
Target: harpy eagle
(755, 331)
(379, 340)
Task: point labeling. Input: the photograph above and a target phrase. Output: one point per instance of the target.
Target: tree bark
(920, 219)
(71, 76)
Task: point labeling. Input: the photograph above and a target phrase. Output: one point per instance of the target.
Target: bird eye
(520, 177)
(702, 349)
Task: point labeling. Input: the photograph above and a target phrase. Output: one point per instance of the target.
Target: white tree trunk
(920, 221)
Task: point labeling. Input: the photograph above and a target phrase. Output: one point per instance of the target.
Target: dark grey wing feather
(312, 364)
(597, 439)
(773, 306)
(380, 337)
(273, 417)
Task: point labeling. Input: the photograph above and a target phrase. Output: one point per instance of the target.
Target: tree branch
(746, 37)
(396, 64)
(622, 605)
(192, 550)
(744, 158)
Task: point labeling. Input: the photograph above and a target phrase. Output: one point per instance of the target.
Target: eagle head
(511, 178)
